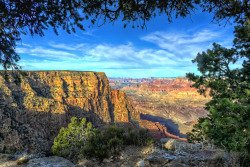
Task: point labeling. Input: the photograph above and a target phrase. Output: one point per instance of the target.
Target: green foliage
(229, 10)
(103, 144)
(228, 123)
(112, 140)
(72, 139)
(96, 146)
(139, 138)
(9, 152)
(82, 141)
(198, 133)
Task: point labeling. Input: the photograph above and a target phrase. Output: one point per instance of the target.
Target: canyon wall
(32, 113)
(170, 102)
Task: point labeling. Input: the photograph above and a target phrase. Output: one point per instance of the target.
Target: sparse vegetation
(80, 140)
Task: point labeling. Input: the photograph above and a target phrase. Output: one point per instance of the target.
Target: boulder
(173, 144)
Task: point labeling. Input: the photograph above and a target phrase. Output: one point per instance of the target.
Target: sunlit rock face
(170, 101)
(32, 113)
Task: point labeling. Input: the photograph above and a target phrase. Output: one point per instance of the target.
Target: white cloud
(102, 56)
(24, 44)
(128, 56)
(172, 57)
(183, 45)
(47, 53)
(67, 47)
(21, 50)
(89, 32)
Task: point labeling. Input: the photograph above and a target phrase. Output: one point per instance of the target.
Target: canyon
(167, 102)
(33, 111)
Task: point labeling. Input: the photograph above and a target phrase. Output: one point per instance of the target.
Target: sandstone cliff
(32, 113)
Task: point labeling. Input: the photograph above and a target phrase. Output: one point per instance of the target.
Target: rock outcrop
(32, 113)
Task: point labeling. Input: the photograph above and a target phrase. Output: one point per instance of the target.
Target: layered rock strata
(32, 113)
(171, 102)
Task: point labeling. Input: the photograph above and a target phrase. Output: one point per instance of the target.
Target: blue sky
(163, 50)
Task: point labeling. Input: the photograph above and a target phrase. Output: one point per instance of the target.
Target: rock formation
(171, 102)
(157, 130)
(32, 113)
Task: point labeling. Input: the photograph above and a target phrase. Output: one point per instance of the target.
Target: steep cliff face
(32, 113)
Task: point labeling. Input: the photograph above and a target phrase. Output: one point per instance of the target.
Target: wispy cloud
(67, 46)
(172, 57)
(183, 44)
(24, 44)
(89, 32)
(47, 53)
(105, 57)
(129, 57)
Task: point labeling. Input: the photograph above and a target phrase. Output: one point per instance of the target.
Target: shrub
(72, 139)
(115, 139)
(139, 138)
(96, 146)
(114, 131)
(145, 138)
(80, 140)
(103, 144)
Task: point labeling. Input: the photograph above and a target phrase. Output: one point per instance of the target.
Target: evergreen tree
(228, 123)
(72, 139)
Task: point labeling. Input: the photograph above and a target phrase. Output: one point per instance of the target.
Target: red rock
(158, 130)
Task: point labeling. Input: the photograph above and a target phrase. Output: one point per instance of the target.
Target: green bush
(80, 140)
(96, 146)
(115, 138)
(103, 144)
(145, 138)
(72, 139)
(198, 132)
(139, 138)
